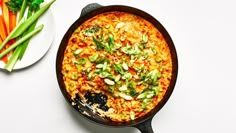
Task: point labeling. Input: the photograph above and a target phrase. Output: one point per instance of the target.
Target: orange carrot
(3, 32)
(5, 13)
(5, 59)
(10, 43)
(12, 18)
(12, 24)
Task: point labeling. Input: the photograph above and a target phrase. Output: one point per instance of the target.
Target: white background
(204, 33)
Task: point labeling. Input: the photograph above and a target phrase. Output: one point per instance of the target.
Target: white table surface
(204, 99)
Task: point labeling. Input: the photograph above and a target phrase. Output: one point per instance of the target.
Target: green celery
(21, 40)
(34, 6)
(20, 50)
(18, 42)
(22, 11)
(12, 61)
(25, 44)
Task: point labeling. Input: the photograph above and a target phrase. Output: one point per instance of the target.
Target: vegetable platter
(27, 31)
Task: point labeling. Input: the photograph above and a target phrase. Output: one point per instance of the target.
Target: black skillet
(143, 123)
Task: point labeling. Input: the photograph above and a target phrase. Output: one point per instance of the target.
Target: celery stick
(24, 45)
(31, 19)
(22, 11)
(20, 50)
(11, 63)
(21, 40)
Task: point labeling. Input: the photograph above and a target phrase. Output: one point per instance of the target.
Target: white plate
(39, 44)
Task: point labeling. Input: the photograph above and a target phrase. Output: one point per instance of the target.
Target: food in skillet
(119, 64)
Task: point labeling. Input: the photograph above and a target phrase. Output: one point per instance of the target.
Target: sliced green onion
(111, 40)
(91, 75)
(74, 75)
(104, 67)
(94, 57)
(104, 74)
(118, 68)
(88, 69)
(81, 61)
(152, 76)
(147, 100)
(109, 82)
(117, 46)
(123, 88)
(132, 84)
(150, 94)
(98, 43)
(155, 89)
(145, 55)
(144, 106)
(125, 66)
(77, 52)
(126, 97)
(99, 66)
(142, 95)
(100, 59)
(88, 32)
(153, 50)
(144, 38)
(158, 59)
(132, 115)
(127, 76)
(107, 47)
(117, 78)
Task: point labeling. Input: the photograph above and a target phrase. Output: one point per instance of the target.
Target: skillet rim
(135, 11)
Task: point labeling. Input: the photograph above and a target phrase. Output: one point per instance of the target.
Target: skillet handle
(89, 8)
(145, 127)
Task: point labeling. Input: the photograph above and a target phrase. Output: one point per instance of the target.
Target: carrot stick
(5, 13)
(12, 22)
(5, 59)
(3, 32)
(0, 39)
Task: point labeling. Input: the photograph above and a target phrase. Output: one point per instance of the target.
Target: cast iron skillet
(143, 123)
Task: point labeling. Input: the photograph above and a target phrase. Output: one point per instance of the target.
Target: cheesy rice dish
(119, 64)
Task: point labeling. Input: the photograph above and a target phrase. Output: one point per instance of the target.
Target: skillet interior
(85, 111)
